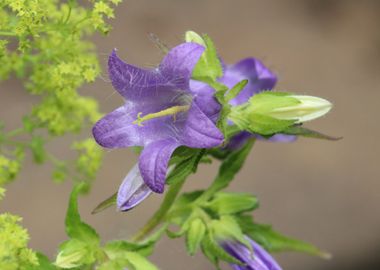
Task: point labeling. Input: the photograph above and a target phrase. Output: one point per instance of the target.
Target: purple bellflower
(259, 78)
(259, 259)
(161, 112)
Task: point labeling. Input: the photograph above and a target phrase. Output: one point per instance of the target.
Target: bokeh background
(324, 192)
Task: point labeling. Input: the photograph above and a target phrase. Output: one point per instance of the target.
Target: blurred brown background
(323, 192)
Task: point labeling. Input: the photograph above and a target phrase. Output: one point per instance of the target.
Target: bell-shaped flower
(161, 112)
(254, 258)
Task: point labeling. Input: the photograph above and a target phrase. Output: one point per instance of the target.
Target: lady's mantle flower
(161, 112)
(255, 258)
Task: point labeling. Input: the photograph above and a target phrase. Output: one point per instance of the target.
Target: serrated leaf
(274, 241)
(75, 228)
(305, 132)
(195, 235)
(232, 203)
(110, 201)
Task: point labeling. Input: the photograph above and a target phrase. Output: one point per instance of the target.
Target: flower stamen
(170, 111)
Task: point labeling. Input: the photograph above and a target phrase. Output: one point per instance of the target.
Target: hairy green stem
(160, 214)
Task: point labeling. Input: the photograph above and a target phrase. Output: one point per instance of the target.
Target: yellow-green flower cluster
(14, 253)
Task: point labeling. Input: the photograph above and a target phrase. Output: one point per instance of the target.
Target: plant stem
(6, 33)
(156, 219)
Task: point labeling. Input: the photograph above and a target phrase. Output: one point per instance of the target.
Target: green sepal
(305, 132)
(232, 203)
(253, 116)
(208, 67)
(274, 241)
(209, 254)
(216, 252)
(185, 168)
(195, 235)
(227, 228)
(110, 201)
(234, 91)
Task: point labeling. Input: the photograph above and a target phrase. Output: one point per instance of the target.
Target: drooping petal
(199, 131)
(137, 84)
(154, 160)
(259, 78)
(132, 191)
(178, 64)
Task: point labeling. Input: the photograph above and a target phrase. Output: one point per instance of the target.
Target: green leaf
(75, 228)
(195, 235)
(208, 67)
(232, 203)
(274, 241)
(43, 263)
(305, 132)
(110, 201)
(139, 262)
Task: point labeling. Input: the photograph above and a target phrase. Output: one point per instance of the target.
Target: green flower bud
(267, 113)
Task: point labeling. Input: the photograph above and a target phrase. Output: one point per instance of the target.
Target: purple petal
(260, 259)
(241, 138)
(178, 64)
(259, 78)
(262, 255)
(204, 97)
(278, 138)
(134, 83)
(132, 191)
(153, 162)
(117, 130)
(199, 130)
